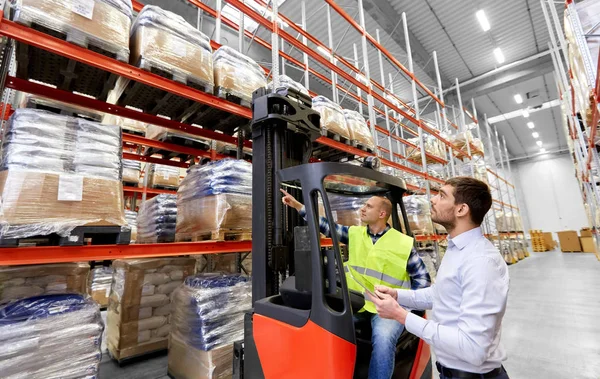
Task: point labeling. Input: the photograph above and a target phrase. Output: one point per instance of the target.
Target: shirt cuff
(302, 212)
(415, 324)
(404, 297)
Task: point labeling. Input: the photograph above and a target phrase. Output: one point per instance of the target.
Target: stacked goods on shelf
(433, 146)
(346, 209)
(165, 44)
(17, 282)
(99, 284)
(127, 125)
(176, 136)
(58, 173)
(157, 219)
(207, 317)
(131, 217)
(287, 82)
(460, 141)
(163, 176)
(230, 150)
(139, 305)
(236, 76)
(479, 168)
(436, 171)
(132, 171)
(225, 263)
(103, 27)
(214, 202)
(360, 134)
(508, 221)
(50, 336)
(27, 100)
(333, 122)
(419, 214)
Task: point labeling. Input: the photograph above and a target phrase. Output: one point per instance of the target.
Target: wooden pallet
(218, 235)
(98, 235)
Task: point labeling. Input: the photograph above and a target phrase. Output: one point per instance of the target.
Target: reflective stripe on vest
(380, 276)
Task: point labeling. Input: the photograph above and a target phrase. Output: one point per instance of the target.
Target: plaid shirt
(419, 277)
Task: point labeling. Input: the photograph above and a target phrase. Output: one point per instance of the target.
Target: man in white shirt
(469, 297)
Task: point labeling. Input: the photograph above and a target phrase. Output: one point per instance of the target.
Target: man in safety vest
(382, 256)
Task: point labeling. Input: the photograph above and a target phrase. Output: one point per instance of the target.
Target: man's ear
(462, 210)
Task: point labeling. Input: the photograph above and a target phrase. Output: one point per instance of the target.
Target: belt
(454, 373)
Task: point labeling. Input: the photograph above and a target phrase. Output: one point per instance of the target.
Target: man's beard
(447, 223)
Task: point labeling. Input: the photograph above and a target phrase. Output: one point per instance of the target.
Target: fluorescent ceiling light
(530, 125)
(525, 113)
(518, 99)
(483, 21)
(498, 54)
(519, 112)
(535, 134)
(542, 150)
(539, 143)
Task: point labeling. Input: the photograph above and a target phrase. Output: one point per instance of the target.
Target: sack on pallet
(99, 283)
(433, 146)
(460, 141)
(156, 219)
(103, 24)
(17, 282)
(418, 213)
(163, 40)
(358, 129)
(128, 125)
(332, 116)
(207, 317)
(163, 176)
(215, 198)
(138, 317)
(132, 171)
(58, 172)
(287, 82)
(236, 75)
(50, 336)
(27, 100)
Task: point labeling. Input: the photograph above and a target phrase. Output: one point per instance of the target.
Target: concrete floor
(551, 329)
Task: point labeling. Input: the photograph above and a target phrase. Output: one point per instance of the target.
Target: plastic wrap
(346, 209)
(418, 212)
(215, 197)
(131, 171)
(101, 23)
(163, 176)
(207, 317)
(139, 306)
(127, 125)
(236, 74)
(479, 169)
(287, 82)
(58, 172)
(99, 283)
(508, 222)
(17, 282)
(27, 100)
(332, 116)
(164, 40)
(131, 217)
(159, 133)
(460, 141)
(432, 145)
(358, 129)
(51, 336)
(157, 219)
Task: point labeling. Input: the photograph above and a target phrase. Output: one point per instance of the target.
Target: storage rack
(581, 134)
(405, 118)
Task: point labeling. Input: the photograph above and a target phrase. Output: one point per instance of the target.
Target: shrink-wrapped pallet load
(236, 76)
(163, 176)
(287, 82)
(157, 219)
(131, 217)
(131, 172)
(332, 118)
(418, 212)
(17, 282)
(214, 201)
(27, 100)
(99, 283)
(139, 304)
(207, 317)
(50, 336)
(360, 134)
(58, 172)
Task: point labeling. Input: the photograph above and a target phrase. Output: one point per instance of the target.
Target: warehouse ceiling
(465, 52)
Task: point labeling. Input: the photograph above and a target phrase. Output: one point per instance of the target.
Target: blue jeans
(384, 339)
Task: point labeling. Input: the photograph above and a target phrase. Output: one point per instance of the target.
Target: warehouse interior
(143, 233)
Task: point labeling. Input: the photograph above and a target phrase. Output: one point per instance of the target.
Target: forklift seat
(297, 299)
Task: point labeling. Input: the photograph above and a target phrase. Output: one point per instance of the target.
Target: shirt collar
(387, 227)
(463, 239)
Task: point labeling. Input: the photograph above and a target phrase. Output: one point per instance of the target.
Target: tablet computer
(364, 283)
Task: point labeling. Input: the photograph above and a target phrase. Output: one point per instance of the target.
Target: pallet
(218, 235)
(232, 152)
(336, 137)
(134, 132)
(131, 184)
(99, 235)
(139, 357)
(64, 73)
(168, 188)
(362, 147)
(177, 140)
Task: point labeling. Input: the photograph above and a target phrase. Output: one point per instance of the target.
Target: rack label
(83, 8)
(70, 188)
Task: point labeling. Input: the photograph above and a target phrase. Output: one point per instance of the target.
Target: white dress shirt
(468, 302)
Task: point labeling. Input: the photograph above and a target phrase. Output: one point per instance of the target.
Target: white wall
(550, 199)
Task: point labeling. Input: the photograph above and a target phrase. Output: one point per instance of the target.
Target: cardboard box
(585, 232)
(187, 362)
(587, 244)
(569, 241)
(549, 241)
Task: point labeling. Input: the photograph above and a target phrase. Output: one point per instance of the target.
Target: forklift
(301, 324)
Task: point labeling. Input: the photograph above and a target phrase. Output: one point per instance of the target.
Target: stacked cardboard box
(139, 304)
(569, 241)
(587, 241)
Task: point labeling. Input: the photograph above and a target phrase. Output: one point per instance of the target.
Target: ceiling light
(518, 99)
(542, 150)
(525, 113)
(535, 134)
(530, 125)
(539, 143)
(483, 21)
(498, 54)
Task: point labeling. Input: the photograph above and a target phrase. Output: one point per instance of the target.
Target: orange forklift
(301, 324)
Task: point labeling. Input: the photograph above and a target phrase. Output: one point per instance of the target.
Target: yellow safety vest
(383, 263)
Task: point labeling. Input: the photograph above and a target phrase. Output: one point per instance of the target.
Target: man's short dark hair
(475, 193)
